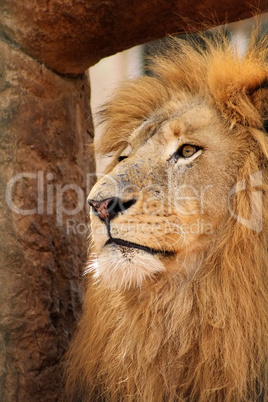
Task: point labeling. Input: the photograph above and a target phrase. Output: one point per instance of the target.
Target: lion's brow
(149, 128)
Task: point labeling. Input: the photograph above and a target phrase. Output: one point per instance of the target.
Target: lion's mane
(205, 339)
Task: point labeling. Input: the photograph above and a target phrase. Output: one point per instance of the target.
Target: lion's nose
(109, 208)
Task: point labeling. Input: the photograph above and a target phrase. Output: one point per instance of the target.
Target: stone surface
(70, 35)
(45, 130)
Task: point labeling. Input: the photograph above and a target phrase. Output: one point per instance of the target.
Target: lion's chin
(123, 267)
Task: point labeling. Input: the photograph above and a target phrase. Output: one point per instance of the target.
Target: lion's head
(178, 309)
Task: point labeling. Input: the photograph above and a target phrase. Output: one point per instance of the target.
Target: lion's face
(179, 305)
(162, 202)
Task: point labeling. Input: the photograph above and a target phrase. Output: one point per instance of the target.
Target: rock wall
(45, 165)
(69, 36)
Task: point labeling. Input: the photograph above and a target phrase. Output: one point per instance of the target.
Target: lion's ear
(259, 98)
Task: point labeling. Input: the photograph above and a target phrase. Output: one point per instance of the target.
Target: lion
(176, 307)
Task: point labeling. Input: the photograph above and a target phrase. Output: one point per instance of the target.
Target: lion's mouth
(129, 244)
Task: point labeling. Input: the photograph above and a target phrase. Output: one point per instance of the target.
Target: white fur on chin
(122, 267)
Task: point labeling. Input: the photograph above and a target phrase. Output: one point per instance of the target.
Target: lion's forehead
(177, 117)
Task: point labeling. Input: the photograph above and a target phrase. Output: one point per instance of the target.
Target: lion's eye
(186, 151)
(121, 158)
(125, 153)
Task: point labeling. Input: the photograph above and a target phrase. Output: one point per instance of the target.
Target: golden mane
(214, 71)
(205, 339)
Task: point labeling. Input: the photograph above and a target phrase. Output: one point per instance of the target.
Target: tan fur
(191, 325)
